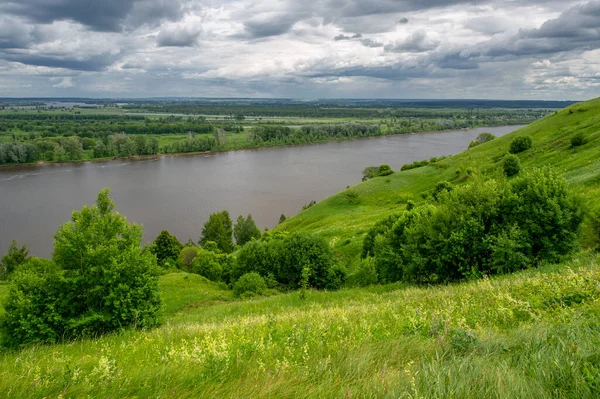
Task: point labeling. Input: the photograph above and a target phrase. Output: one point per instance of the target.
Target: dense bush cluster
(520, 144)
(420, 164)
(479, 229)
(511, 165)
(283, 257)
(99, 280)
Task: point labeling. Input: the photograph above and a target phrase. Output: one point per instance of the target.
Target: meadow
(531, 334)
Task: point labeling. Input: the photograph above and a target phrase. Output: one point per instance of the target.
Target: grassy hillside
(345, 217)
(532, 334)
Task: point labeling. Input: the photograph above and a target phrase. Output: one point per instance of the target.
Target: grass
(532, 334)
(344, 219)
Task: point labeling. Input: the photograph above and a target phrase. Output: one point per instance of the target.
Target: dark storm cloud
(98, 15)
(577, 29)
(13, 35)
(178, 38)
(271, 24)
(91, 63)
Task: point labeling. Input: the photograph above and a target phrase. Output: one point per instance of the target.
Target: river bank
(248, 148)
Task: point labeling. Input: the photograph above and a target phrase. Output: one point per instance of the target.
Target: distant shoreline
(185, 154)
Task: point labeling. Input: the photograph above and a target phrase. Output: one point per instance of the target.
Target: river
(178, 193)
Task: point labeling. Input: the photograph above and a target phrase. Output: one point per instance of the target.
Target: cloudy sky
(497, 49)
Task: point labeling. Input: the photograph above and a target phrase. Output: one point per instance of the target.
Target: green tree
(511, 165)
(100, 280)
(219, 229)
(282, 218)
(520, 144)
(15, 257)
(166, 247)
(245, 230)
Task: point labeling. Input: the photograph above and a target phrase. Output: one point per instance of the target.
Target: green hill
(532, 334)
(345, 217)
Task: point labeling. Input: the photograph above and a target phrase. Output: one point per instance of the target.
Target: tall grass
(532, 334)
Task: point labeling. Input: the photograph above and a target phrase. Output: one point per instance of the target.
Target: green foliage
(250, 284)
(103, 281)
(520, 144)
(511, 165)
(482, 138)
(186, 257)
(441, 187)
(208, 264)
(166, 247)
(366, 273)
(219, 229)
(15, 257)
(578, 140)
(381, 227)
(282, 218)
(482, 228)
(414, 165)
(384, 170)
(370, 172)
(245, 230)
(286, 256)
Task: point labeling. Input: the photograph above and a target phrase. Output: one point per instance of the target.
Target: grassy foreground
(532, 334)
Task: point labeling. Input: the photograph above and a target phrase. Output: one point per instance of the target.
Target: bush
(187, 256)
(366, 274)
(370, 172)
(520, 144)
(511, 165)
(15, 257)
(208, 264)
(166, 247)
(285, 256)
(441, 187)
(100, 280)
(578, 140)
(250, 283)
(482, 138)
(482, 228)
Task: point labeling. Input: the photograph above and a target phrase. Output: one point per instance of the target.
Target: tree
(520, 144)
(282, 218)
(100, 280)
(166, 247)
(511, 165)
(245, 230)
(578, 140)
(219, 229)
(15, 257)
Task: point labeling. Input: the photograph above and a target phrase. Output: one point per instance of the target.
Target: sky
(446, 49)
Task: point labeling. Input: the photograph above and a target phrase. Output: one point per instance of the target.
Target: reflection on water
(179, 193)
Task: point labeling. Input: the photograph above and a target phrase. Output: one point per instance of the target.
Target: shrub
(100, 280)
(520, 144)
(370, 172)
(285, 256)
(15, 257)
(578, 140)
(166, 247)
(208, 264)
(366, 274)
(414, 165)
(482, 228)
(511, 165)
(441, 187)
(250, 283)
(186, 257)
(381, 227)
(482, 138)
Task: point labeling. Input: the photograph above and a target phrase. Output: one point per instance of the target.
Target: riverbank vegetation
(68, 134)
(449, 278)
